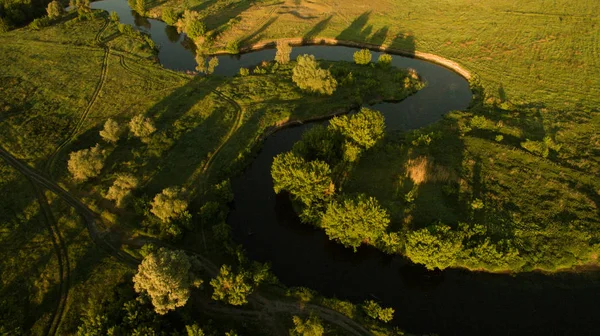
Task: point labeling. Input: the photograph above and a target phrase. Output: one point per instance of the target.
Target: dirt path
(62, 254)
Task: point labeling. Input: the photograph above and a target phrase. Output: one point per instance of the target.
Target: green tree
(284, 49)
(364, 128)
(142, 127)
(114, 17)
(170, 16)
(354, 221)
(436, 246)
(165, 276)
(194, 330)
(384, 60)
(201, 63)
(121, 188)
(376, 312)
(192, 24)
(55, 9)
(308, 182)
(86, 163)
(308, 76)
(309, 327)
(170, 204)
(231, 288)
(4, 25)
(111, 131)
(319, 143)
(140, 6)
(212, 65)
(362, 56)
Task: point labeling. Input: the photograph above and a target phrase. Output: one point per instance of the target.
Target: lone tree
(170, 204)
(86, 163)
(55, 9)
(384, 60)
(309, 327)
(111, 131)
(231, 288)
(165, 276)
(284, 50)
(363, 56)
(212, 65)
(354, 221)
(121, 189)
(308, 76)
(142, 127)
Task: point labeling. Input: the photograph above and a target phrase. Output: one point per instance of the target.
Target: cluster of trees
(15, 13)
(310, 77)
(206, 65)
(373, 310)
(306, 173)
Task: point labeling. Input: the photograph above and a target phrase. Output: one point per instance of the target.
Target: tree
(231, 288)
(55, 9)
(309, 182)
(170, 204)
(384, 60)
(201, 63)
(284, 50)
(376, 312)
(365, 128)
(165, 276)
(142, 127)
(121, 188)
(4, 25)
(354, 221)
(83, 6)
(194, 330)
(140, 6)
(86, 163)
(436, 246)
(114, 17)
(308, 76)
(309, 327)
(111, 131)
(212, 65)
(169, 16)
(363, 56)
(319, 143)
(192, 24)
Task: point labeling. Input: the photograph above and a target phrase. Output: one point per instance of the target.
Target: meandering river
(452, 302)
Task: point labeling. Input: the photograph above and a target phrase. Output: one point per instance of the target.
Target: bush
(170, 16)
(244, 72)
(111, 131)
(55, 9)
(363, 56)
(384, 60)
(436, 246)
(308, 76)
(40, 23)
(192, 24)
(142, 127)
(114, 17)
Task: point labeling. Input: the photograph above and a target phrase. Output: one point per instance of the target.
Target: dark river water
(452, 302)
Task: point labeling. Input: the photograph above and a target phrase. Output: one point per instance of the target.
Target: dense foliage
(362, 56)
(310, 77)
(86, 163)
(231, 287)
(284, 49)
(165, 276)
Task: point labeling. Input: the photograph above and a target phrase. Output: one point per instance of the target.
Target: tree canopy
(354, 221)
(55, 9)
(365, 128)
(231, 287)
(310, 77)
(284, 49)
(170, 204)
(111, 131)
(86, 163)
(142, 127)
(121, 188)
(436, 246)
(165, 276)
(363, 56)
(191, 23)
(310, 327)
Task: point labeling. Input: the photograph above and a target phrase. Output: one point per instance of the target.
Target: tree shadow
(356, 30)
(404, 42)
(256, 35)
(317, 29)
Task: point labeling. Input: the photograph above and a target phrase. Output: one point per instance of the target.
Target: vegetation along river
(449, 302)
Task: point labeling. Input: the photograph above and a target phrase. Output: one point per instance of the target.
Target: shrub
(40, 23)
(363, 56)
(376, 312)
(384, 60)
(114, 16)
(192, 24)
(309, 327)
(244, 72)
(4, 25)
(436, 246)
(231, 288)
(308, 76)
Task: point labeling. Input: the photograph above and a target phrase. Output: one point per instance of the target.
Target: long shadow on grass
(256, 35)
(318, 28)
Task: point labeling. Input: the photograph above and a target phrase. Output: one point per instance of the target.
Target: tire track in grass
(64, 269)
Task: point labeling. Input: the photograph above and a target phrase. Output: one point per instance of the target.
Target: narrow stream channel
(452, 302)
